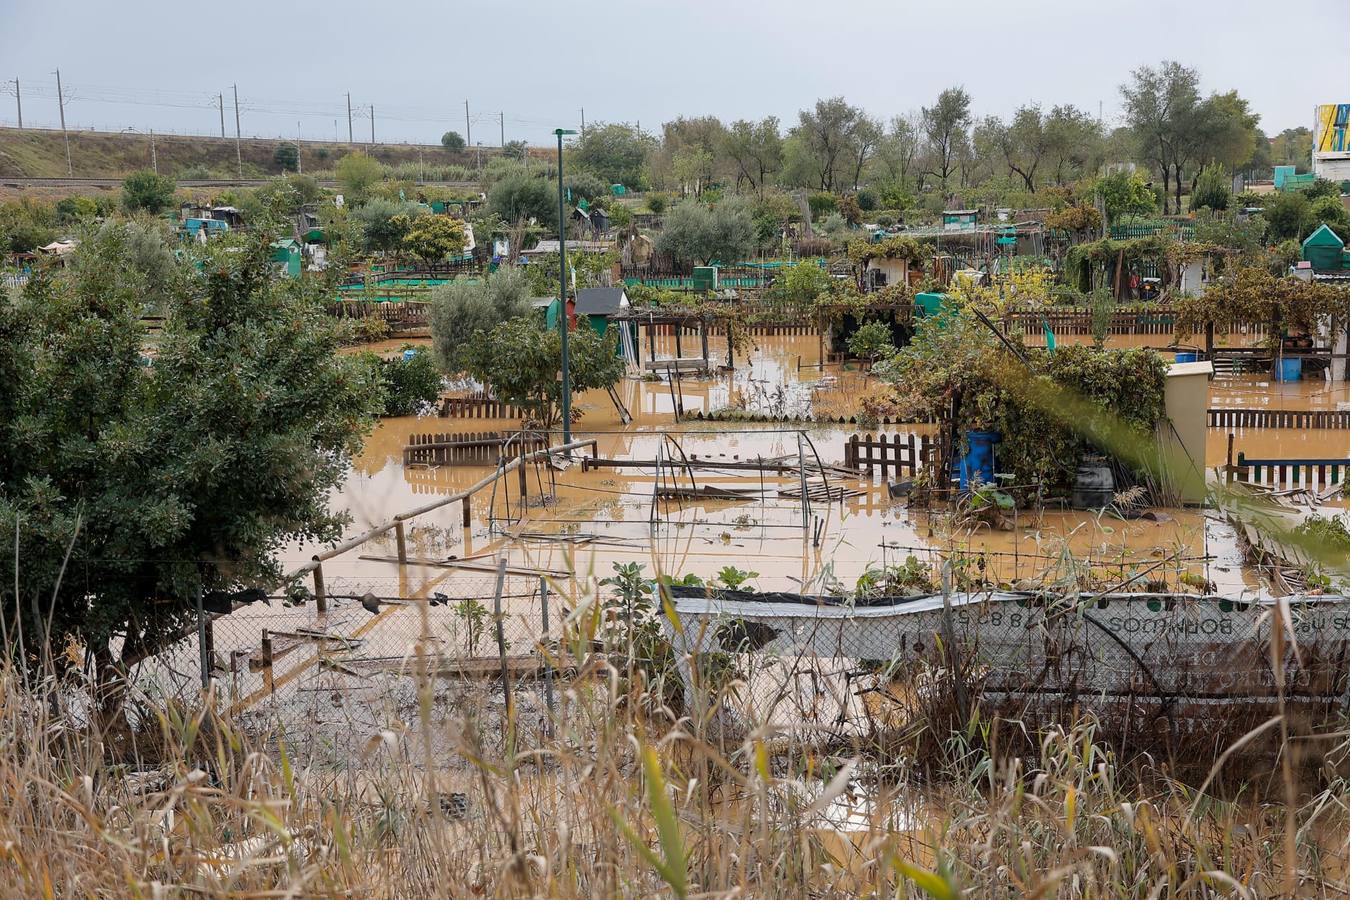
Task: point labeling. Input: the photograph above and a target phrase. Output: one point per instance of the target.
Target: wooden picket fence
(903, 453)
(1284, 474)
(484, 448)
(1278, 418)
(399, 314)
(1078, 320)
(479, 405)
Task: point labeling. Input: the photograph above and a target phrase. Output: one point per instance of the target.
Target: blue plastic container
(1188, 356)
(1289, 370)
(979, 459)
(409, 354)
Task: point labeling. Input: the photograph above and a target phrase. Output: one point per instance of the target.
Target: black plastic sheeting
(685, 592)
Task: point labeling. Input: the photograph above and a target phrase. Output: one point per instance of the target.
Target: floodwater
(588, 521)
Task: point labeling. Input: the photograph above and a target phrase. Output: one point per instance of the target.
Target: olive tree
(462, 312)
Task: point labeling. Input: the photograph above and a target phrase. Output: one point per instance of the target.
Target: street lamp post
(563, 322)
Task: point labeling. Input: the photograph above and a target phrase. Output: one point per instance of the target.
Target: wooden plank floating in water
(707, 492)
(1278, 418)
(820, 492)
(483, 448)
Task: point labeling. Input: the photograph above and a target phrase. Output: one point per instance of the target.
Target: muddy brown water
(605, 517)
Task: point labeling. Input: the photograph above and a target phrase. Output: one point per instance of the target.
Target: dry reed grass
(624, 798)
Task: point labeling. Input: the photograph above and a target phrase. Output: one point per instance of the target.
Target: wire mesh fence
(1169, 668)
(1174, 669)
(375, 659)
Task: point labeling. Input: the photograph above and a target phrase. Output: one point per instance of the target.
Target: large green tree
(520, 360)
(147, 192)
(463, 312)
(1161, 110)
(944, 129)
(614, 152)
(523, 197)
(725, 233)
(128, 485)
(385, 224)
(836, 140)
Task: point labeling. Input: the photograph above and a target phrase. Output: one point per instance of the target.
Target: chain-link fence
(1170, 668)
(375, 659)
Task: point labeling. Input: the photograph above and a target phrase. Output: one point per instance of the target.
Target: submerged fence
(471, 448)
(478, 405)
(1278, 418)
(903, 453)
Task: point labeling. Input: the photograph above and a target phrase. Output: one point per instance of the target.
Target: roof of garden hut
(1323, 237)
(601, 301)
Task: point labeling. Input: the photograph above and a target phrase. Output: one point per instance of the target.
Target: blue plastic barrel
(979, 459)
(1290, 370)
(1187, 356)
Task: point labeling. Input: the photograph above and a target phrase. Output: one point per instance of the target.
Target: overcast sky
(148, 64)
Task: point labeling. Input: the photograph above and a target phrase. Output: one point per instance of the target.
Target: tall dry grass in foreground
(625, 799)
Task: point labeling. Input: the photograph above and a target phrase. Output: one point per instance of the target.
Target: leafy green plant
(411, 384)
(871, 342)
(734, 579)
(147, 192)
(474, 617)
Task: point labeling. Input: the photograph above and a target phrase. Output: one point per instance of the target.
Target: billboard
(1329, 133)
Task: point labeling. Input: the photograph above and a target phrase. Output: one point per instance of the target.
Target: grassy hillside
(36, 153)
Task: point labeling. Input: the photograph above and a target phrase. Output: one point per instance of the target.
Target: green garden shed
(1324, 249)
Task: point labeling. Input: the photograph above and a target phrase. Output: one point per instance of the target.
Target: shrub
(385, 223)
(452, 141)
(871, 342)
(462, 312)
(821, 204)
(1213, 189)
(357, 173)
(287, 157)
(411, 382)
(657, 202)
(523, 197)
(147, 192)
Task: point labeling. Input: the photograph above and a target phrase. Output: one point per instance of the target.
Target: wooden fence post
(401, 538)
(320, 595)
(267, 660)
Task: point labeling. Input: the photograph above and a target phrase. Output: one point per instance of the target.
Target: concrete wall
(1186, 398)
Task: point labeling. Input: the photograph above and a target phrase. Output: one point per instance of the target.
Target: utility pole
(18, 99)
(154, 156)
(238, 152)
(220, 104)
(349, 118)
(502, 116)
(299, 164)
(372, 126)
(61, 102)
(583, 121)
(468, 135)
